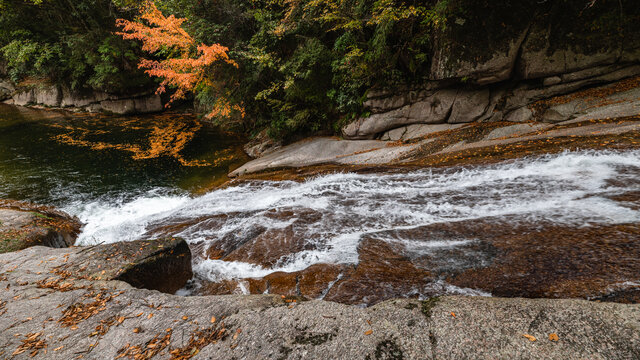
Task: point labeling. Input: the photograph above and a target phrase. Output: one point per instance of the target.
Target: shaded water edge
(59, 158)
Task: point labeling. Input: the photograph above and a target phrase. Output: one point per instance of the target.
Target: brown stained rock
(23, 225)
(317, 279)
(226, 287)
(509, 259)
(629, 199)
(214, 253)
(380, 274)
(268, 247)
(587, 262)
(311, 283)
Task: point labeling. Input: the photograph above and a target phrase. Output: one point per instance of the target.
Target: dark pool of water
(55, 157)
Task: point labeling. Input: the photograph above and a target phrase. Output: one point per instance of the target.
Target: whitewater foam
(572, 188)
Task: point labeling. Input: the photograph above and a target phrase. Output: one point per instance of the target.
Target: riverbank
(593, 118)
(54, 314)
(510, 210)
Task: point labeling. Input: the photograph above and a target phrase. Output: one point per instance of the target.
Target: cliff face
(56, 96)
(495, 59)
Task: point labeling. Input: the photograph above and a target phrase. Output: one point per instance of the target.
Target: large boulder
(24, 97)
(148, 104)
(163, 264)
(135, 105)
(23, 225)
(314, 151)
(433, 109)
(92, 101)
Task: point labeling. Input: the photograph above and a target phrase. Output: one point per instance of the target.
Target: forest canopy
(299, 66)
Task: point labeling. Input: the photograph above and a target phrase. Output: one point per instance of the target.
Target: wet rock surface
(23, 225)
(554, 226)
(530, 261)
(44, 314)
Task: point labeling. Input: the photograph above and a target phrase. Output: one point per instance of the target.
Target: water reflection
(58, 158)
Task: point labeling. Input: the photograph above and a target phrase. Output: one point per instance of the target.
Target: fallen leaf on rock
(453, 314)
(531, 338)
(150, 316)
(136, 330)
(553, 337)
(368, 332)
(31, 342)
(213, 319)
(185, 317)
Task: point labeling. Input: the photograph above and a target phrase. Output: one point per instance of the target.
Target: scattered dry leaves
(81, 311)
(197, 341)
(31, 343)
(148, 350)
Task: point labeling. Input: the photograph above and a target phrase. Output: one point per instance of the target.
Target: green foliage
(69, 42)
(306, 65)
(26, 57)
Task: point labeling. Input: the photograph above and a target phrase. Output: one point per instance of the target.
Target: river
(563, 225)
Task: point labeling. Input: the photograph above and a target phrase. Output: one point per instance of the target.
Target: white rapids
(572, 188)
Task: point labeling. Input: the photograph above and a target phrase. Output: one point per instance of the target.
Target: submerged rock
(23, 225)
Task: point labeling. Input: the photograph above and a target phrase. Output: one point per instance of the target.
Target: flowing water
(477, 230)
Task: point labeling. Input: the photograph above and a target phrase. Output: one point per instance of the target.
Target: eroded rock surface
(47, 315)
(55, 96)
(506, 103)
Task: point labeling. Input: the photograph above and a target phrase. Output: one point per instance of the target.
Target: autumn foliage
(188, 64)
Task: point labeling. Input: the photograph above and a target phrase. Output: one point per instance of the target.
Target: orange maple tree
(191, 63)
